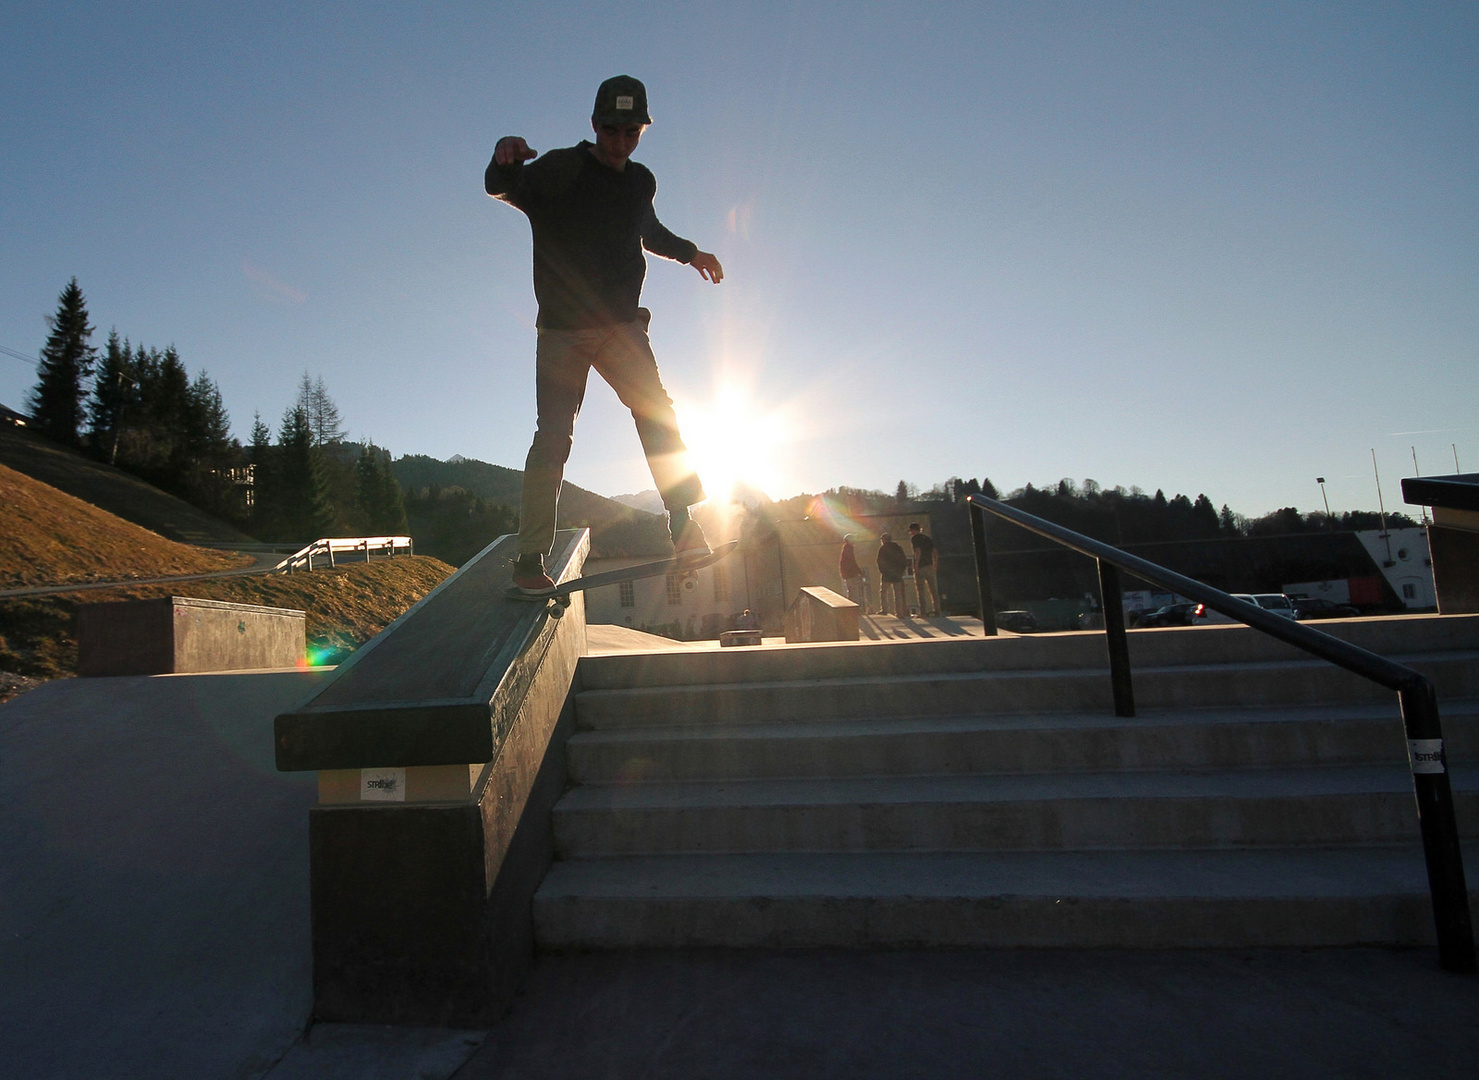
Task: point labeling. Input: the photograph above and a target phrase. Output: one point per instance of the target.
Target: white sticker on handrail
(1427, 755)
(382, 785)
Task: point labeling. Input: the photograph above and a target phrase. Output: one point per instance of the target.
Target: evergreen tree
(261, 454)
(304, 505)
(382, 506)
(56, 402)
(322, 413)
(112, 395)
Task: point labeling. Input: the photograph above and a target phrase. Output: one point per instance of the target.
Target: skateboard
(559, 600)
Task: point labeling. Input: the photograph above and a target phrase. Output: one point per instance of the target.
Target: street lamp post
(1328, 520)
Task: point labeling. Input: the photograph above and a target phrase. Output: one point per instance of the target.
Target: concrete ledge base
(177, 634)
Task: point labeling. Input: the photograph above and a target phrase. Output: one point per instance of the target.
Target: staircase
(980, 792)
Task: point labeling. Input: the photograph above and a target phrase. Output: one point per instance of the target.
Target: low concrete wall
(819, 614)
(439, 752)
(178, 634)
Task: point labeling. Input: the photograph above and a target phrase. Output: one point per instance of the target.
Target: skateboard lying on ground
(560, 598)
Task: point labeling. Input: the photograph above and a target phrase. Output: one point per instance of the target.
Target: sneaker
(689, 542)
(530, 578)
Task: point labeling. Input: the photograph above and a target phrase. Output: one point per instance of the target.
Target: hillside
(47, 537)
(112, 490)
(345, 607)
(615, 529)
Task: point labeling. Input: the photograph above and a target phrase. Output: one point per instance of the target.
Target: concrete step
(1042, 742)
(1248, 807)
(1387, 636)
(1279, 897)
(1289, 682)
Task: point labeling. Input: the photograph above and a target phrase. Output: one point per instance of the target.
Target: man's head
(618, 119)
(913, 527)
(886, 538)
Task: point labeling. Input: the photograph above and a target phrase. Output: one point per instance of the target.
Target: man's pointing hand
(510, 149)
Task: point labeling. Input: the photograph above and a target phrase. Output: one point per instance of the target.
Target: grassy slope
(112, 489)
(346, 607)
(50, 538)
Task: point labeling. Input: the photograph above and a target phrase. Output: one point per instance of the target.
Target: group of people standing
(893, 565)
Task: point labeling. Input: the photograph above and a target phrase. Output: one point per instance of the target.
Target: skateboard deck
(560, 598)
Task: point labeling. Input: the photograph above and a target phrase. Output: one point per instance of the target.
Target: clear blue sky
(1221, 248)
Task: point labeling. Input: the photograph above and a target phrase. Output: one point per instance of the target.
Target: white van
(1277, 603)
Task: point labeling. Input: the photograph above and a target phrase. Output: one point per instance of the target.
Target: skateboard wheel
(557, 610)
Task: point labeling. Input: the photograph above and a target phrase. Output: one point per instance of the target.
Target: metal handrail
(1419, 700)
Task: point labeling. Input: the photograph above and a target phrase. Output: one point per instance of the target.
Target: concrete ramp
(154, 900)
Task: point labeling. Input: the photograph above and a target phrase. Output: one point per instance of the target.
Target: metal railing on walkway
(346, 549)
(1419, 701)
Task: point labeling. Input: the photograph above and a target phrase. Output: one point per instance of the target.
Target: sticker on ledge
(1427, 755)
(382, 785)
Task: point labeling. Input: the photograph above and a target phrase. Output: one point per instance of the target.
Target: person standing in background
(926, 563)
(892, 562)
(851, 574)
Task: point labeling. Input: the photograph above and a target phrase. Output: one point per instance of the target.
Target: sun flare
(731, 442)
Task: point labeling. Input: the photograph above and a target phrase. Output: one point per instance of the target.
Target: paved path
(1076, 1015)
(265, 561)
(154, 899)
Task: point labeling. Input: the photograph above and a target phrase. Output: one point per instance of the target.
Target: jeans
(623, 357)
(900, 605)
(925, 575)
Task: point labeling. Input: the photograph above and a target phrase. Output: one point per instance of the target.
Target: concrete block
(177, 634)
(819, 614)
(730, 638)
(1455, 554)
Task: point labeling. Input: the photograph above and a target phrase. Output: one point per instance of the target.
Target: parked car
(1207, 615)
(1314, 607)
(1278, 603)
(1018, 622)
(1170, 615)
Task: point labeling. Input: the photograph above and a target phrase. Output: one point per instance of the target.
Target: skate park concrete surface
(154, 922)
(945, 1014)
(154, 891)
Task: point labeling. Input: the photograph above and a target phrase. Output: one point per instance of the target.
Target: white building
(693, 605)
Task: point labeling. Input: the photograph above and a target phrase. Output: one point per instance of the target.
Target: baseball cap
(621, 100)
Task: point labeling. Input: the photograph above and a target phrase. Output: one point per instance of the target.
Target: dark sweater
(590, 225)
(892, 561)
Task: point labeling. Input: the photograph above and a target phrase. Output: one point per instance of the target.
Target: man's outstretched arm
(660, 240)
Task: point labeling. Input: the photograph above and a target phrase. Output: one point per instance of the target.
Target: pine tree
(382, 506)
(263, 512)
(322, 413)
(304, 505)
(56, 402)
(112, 395)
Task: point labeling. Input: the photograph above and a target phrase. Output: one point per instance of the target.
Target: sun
(732, 442)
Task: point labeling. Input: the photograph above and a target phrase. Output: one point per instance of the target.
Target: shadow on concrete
(1003, 1014)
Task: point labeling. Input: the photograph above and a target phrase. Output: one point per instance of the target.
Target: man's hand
(510, 149)
(707, 265)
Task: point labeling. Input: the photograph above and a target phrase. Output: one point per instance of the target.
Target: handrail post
(1111, 602)
(983, 570)
(1435, 817)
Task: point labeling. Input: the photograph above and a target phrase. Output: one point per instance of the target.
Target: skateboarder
(590, 209)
